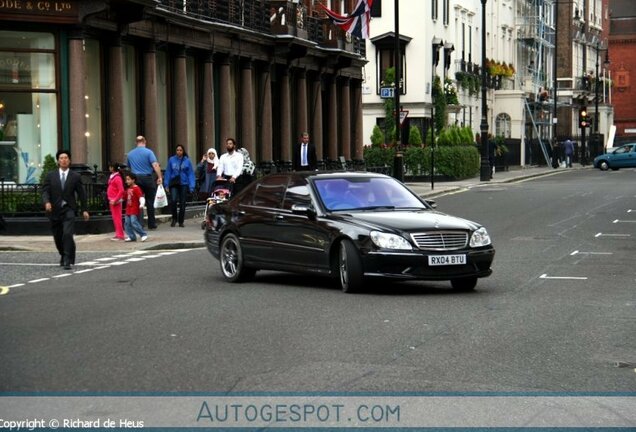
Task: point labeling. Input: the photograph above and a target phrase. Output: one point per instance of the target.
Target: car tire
(603, 165)
(231, 260)
(464, 284)
(349, 267)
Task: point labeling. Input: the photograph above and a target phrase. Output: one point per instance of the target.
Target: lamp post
(596, 96)
(437, 45)
(555, 163)
(398, 163)
(484, 172)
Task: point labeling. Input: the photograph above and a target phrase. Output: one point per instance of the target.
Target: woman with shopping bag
(178, 180)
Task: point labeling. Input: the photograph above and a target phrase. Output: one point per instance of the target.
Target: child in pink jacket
(116, 193)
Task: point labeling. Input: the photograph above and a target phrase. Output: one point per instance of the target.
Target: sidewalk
(191, 236)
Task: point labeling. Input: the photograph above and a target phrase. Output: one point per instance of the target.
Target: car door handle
(280, 217)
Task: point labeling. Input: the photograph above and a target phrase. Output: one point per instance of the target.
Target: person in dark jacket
(304, 158)
(178, 180)
(568, 150)
(60, 191)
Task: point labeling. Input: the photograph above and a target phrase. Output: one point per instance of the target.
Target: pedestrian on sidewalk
(230, 164)
(178, 181)
(142, 162)
(116, 193)
(135, 200)
(59, 194)
(568, 149)
(206, 173)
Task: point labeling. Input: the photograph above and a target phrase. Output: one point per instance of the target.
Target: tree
(415, 137)
(48, 166)
(377, 137)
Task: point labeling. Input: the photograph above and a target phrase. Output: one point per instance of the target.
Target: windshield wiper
(378, 207)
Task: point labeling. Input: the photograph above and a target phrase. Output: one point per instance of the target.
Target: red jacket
(115, 190)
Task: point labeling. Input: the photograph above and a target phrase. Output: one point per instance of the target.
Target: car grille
(441, 240)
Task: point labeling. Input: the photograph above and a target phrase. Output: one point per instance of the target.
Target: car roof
(314, 175)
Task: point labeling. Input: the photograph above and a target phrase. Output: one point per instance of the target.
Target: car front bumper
(414, 264)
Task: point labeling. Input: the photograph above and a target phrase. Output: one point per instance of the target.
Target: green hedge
(451, 161)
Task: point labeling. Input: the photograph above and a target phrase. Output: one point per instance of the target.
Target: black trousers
(148, 185)
(63, 228)
(178, 196)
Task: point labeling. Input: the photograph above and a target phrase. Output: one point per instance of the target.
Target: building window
(28, 104)
(385, 58)
(376, 9)
(446, 12)
(503, 125)
(434, 9)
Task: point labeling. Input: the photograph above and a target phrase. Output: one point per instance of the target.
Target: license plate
(440, 260)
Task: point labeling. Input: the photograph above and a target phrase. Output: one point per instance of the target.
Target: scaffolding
(535, 50)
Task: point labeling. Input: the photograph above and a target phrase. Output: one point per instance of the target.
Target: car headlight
(389, 241)
(480, 238)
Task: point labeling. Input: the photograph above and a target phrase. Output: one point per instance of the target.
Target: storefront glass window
(28, 104)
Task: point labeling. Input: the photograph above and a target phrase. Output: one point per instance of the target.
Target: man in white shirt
(230, 163)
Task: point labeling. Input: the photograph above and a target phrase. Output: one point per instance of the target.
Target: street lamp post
(437, 45)
(555, 163)
(485, 169)
(596, 96)
(398, 163)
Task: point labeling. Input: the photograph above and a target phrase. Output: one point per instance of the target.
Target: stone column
(345, 119)
(358, 139)
(265, 110)
(248, 126)
(180, 102)
(116, 105)
(151, 118)
(301, 103)
(332, 122)
(225, 103)
(77, 101)
(207, 116)
(285, 117)
(316, 117)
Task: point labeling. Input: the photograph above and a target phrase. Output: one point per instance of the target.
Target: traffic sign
(387, 92)
(403, 115)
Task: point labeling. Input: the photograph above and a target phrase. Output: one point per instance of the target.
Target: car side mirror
(303, 209)
(431, 203)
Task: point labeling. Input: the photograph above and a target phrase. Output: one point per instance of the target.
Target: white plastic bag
(161, 200)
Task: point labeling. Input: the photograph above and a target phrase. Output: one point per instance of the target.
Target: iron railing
(268, 17)
(18, 199)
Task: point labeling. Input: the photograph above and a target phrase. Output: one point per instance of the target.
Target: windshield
(365, 193)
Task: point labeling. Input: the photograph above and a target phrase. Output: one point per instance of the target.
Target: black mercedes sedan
(345, 225)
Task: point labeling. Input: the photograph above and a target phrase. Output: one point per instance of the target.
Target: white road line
(29, 264)
(89, 263)
(105, 259)
(590, 253)
(84, 271)
(545, 276)
(38, 280)
(101, 267)
(136, 259)
(62, 275)
(16, 285)
(118, 263)
(612, 235)
(624, 221)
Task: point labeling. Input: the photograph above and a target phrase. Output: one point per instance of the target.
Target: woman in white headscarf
(206, 173)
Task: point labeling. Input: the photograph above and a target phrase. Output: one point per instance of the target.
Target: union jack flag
(356, 23)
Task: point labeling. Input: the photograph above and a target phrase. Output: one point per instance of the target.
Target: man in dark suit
(304, 158)
(59, 193)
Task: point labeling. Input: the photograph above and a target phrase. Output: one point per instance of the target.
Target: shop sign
(40, 11)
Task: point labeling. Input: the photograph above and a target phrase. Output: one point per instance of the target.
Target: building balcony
(273, 17)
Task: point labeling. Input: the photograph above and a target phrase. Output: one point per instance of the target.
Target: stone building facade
(91, 75)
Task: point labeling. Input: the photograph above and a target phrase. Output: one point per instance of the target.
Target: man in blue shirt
(142, 162)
